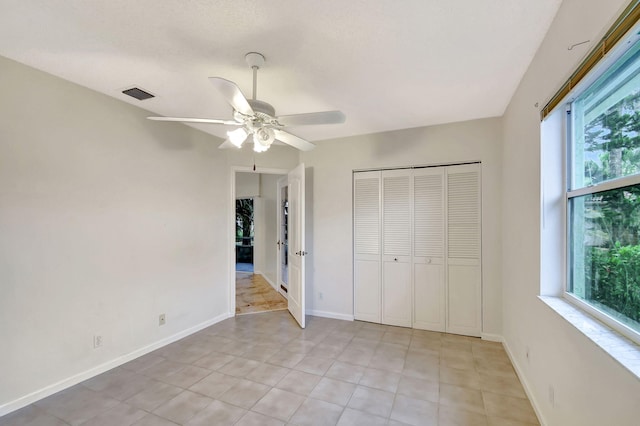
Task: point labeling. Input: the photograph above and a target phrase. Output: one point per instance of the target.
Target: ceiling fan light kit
(263, 136)
(237, 136)
(258, 118)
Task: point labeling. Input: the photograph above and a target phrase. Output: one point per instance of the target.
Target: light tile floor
(263, 370)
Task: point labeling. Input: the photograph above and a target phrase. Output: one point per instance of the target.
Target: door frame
(283, 182)
(231, 237)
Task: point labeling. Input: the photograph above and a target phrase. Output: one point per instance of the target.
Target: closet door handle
(395, 259)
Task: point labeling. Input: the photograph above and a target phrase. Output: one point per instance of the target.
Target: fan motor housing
(263, 107)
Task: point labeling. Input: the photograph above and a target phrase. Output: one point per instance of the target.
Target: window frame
(614, 55)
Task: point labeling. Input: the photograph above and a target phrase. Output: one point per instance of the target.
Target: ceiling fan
(258, 119)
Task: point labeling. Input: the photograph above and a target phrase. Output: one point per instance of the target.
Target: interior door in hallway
(282, 268)
(296, 254)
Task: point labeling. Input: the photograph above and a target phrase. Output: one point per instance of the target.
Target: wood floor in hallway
(255, 294)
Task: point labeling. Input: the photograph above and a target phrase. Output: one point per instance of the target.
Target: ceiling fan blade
(293, 140)
(232, 94)
(227, 144)
(197, 120)
(326, 117)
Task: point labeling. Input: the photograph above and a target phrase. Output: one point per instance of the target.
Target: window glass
(605, 252)
(606, 124)
(603, 209)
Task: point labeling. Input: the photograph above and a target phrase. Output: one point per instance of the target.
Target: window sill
(623, 350)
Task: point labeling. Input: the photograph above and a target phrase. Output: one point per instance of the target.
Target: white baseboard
(525, 384)
(326, 314)
(492, 337)
(25, 400)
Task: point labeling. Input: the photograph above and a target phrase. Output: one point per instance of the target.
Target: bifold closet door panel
(396, 247)
(396, 293)
(367, 234)
(464, 271)
(429, 295)
(464, 308)
(429, 299)
(367, 290)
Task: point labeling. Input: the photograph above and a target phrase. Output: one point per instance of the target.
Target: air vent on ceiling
(138, 93)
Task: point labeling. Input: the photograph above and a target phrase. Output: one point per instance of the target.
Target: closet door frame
(370, 268)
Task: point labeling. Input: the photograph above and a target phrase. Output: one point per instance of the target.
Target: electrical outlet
(97, 341)
(162, 319)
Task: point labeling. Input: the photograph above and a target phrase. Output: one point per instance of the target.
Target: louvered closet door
(367, 235)
(396, 247)
(429, 301)
(464, 274)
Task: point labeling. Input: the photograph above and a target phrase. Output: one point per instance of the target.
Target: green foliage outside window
(613, 279)
(244, 221)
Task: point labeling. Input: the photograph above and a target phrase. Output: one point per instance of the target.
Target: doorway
(256, 243)
(268, 248)
(244, 235)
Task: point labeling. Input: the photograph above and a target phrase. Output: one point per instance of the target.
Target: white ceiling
(387, 64)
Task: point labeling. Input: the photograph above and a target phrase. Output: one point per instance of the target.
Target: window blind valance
(620, 27)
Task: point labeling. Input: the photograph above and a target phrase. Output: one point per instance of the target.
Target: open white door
(296, 254)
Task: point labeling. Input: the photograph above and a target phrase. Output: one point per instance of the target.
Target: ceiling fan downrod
(255, 61)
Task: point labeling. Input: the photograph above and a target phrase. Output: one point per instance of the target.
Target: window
(603, 196)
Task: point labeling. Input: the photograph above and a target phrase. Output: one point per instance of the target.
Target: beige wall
(265, 252)
(247, 185)
(107, 220)
(589, 387)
